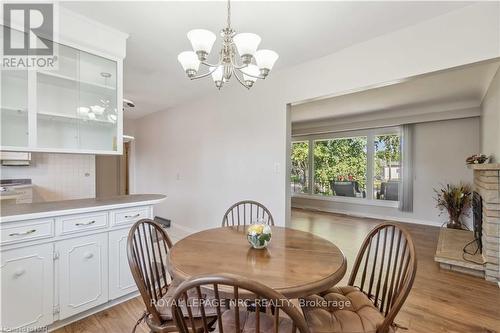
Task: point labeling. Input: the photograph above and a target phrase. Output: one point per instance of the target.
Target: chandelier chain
(229, 14)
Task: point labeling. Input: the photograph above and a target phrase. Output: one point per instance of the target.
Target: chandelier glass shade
(237, 57)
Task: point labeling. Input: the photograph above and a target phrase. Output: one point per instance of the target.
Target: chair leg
(397, 326)
(139, 321)
(211, 324)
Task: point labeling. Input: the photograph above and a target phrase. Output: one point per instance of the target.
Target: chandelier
(243, 45)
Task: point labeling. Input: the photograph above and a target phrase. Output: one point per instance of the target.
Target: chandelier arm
(235, 65)
(204, 75)
(240, 80)
(210, 65)
(238, 66)
(256, 77)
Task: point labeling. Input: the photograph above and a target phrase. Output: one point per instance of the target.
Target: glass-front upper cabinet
(77, 103)
(70, 108)
(57, 102)
(14, 103)
(97, 109)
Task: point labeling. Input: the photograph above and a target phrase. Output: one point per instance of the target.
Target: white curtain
(406, 188)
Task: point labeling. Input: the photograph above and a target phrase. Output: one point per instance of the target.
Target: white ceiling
(456, 88)
(298, 31)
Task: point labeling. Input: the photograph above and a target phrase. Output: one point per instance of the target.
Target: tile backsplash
(57, 176)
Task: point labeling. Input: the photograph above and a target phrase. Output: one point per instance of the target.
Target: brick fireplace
(486, 183)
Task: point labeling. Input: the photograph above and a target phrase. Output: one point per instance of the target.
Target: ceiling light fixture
(242, 44)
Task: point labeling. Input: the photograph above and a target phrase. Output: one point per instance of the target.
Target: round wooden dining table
(295, 263)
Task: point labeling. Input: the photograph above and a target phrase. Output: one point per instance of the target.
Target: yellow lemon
(252, 229)
(256, 228)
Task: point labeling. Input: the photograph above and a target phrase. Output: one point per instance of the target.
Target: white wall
(229, 145)
(129, 129)
(440, 149)
(204, 160)
(490, 120)
(57, 176)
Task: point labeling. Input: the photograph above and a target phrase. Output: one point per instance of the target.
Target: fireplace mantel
(484, 166)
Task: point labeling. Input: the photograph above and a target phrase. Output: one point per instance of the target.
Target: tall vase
(454, 224)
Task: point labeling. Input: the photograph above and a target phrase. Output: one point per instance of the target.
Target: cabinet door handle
(23, 233)
(88, 255)
(19, 272)
(86, 223)
(132, 216)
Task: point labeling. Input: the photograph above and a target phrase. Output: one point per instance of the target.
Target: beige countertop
(16, 212)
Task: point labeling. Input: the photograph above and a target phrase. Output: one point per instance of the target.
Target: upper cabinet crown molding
(90, 34)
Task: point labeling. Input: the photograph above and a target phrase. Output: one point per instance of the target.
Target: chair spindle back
(385, 269)
(236, 299)
(245, 212)
(147, 248)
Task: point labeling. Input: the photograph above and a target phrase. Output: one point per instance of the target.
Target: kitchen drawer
(23, 200)
(26, 231)
(81, 222)
(24, 191)
(130, 215)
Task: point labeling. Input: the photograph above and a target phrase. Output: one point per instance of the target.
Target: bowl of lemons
(259, 235)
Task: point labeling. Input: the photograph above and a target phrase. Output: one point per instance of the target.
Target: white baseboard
(368, 215)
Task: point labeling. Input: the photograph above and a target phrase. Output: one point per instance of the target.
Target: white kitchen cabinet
(56, 94)
(14, 104)
(98, 95)
(14, 108)
(82, 267)
(27, 287)
(121, 281)
(72, 108)
(60, 265)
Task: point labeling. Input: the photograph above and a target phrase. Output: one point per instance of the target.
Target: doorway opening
(113, 173)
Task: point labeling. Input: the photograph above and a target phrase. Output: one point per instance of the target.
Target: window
(387, 165)
(361, 165)
(340, 167)
(299, 177)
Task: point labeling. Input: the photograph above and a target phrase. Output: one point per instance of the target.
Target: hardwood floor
(440, 301)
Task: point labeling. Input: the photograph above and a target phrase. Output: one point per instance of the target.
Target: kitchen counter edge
(19, 212)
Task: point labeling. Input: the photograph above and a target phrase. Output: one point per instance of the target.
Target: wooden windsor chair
(380, 281)
(147, 248)
(239, 303)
